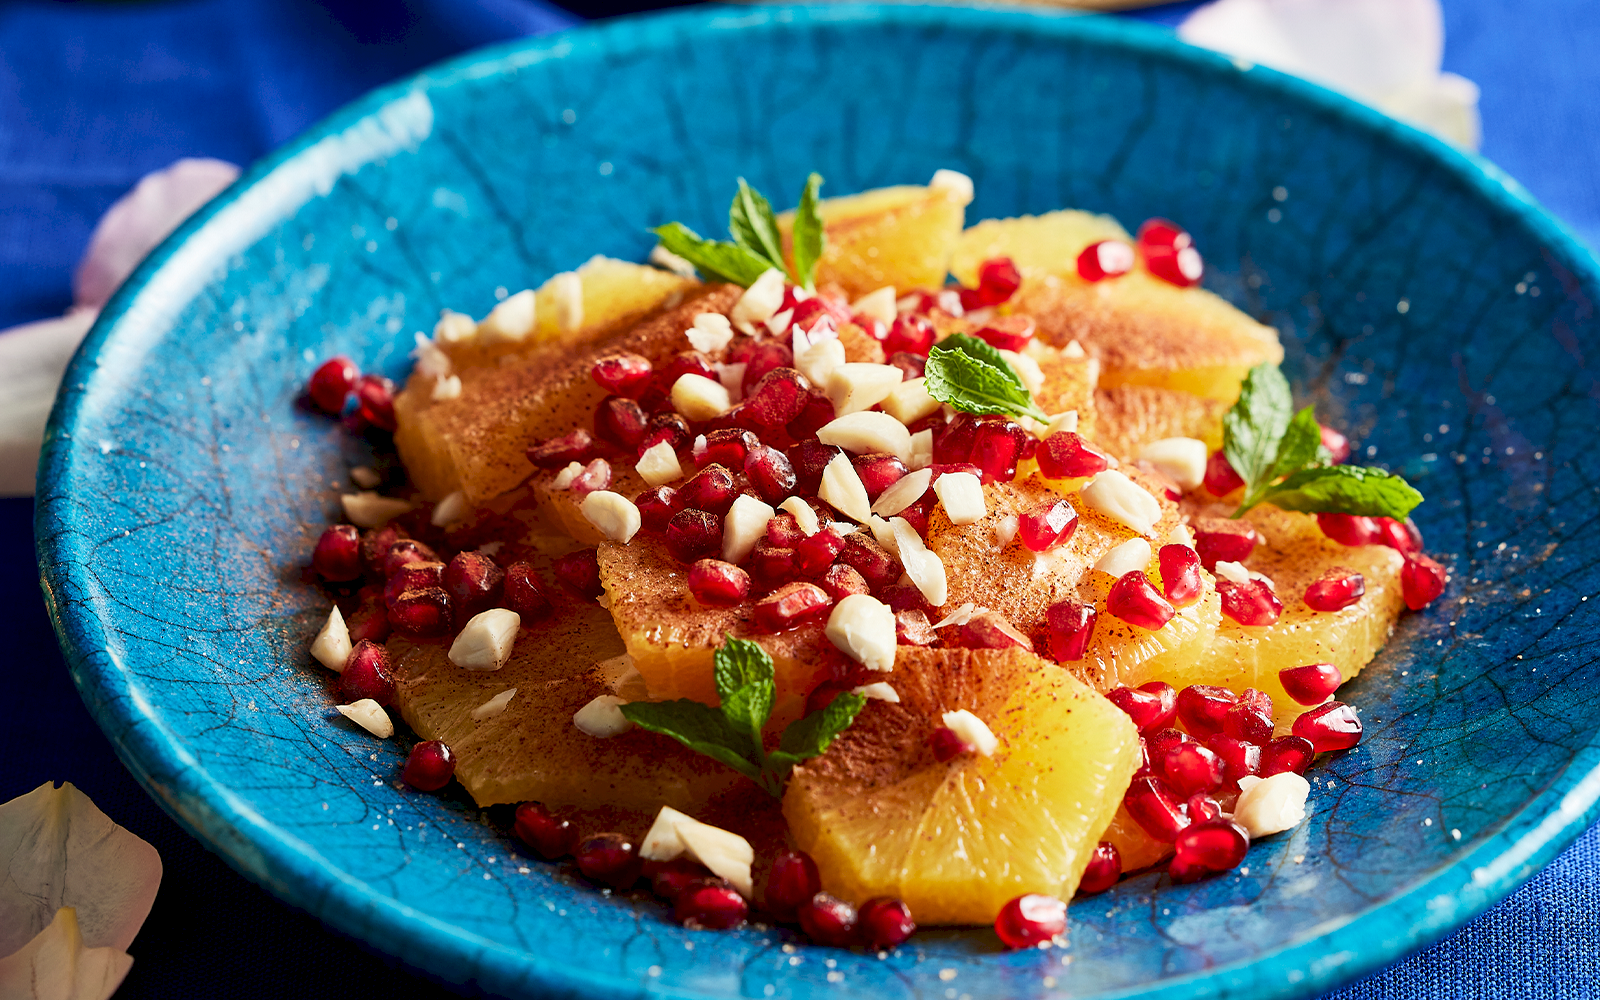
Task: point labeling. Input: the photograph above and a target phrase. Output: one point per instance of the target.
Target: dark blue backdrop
(94, 95)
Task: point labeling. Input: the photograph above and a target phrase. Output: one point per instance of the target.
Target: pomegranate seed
(1349, 529)
(1156, 808)
(777, 398)
(656, 507)
(669, 878)
(709, 904)
(827, 920)
(1402, 536)
(669, 427)
(1221, 539)
(621, 421)
(1104, 868)
(622, 374)
(793, 880)
(375, 401)
(818, 413)
(991, 630)
(1333, 726)
(1257, 699)
(997, 448)
(910, 334)
(1106, 259)
(903, 597)
(1136, 601)
(1169, 253)
(337, 557)
(790, 606)
(1311, 684)
(595, 476)
(952, 443)
(772, 564)
(815, 553)
(918, 513)
(1251, 603)
(423, 613)
(1071, 625)
(559, 452)
(474, 582)
(1065, 455)
(1335, 590)
(766, 356)
(840, 581)
(1248, 725)
(947, 746)
(1286, 753)
(1208, 848)
(998, 280)
(1422, 580)
(693, 534)
(1202, 808)
(878, 472)
(885, 922)
(1160, 743)
(1180, 574)
(403, 553)
(1007, 333)
(717, 583)
(541, 830)
(1202, 708)
(1151, 706)
(370, 620)
(1047, 525)
(367, 674)
(1337, 444)
(681, 364)
(911, 365)
(579, 572)
(1238, 757)
(375, 545)
(808, 311)
(1030, 921)
(1220, 478)
(727, 447)
(523, 592)
(863, 553)
(412, 576)
(429, 766)
(1191, 768)
(712, 489)
(808, 459)
(331, 383)
(610, 858)
(784, 531)
(912, 628)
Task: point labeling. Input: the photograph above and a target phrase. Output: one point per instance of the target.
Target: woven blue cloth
(92, 96)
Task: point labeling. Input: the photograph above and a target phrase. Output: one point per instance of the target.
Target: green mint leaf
(699, 727)
(714, 259)
(752, 225)
(1253, 427)
(1300, 447)
(963, 376)
(812, 735)
(1345, 489)
(809, 238)
(743, 673)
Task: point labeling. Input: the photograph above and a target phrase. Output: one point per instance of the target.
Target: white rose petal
(1124, 501)
(859, 385)
(659, 464)
(1180, 459)
(743, 527)
(486, 641)
(863, 628)
(842, 487)
(494, 707)
(612, 514)
(331, 647)
(369, 715)
(760, 301)
(55, 963)
(699, 398)
(1271, 805)
(511, 320)
(924, 568)
(961, 493)
(972, 730)
(602, 717)
(878, 305)
(368, 510)
(1133, 554)
(868, 433)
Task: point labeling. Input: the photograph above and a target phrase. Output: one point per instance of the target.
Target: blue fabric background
(94, 95)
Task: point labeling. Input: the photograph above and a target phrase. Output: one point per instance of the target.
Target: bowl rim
(293, 869)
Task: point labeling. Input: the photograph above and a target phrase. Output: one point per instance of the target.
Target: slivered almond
(805, 515)
(1123, 500)
(759, 301)
(880, 690)
(744, 525)
(961, 493)
(566, 293)
(953, 184)
(1271, 805)
(454, 328)
(511, 320)
(972, 730)
(1180, 459)
(868, 433)
(710, 332)
(924, 567)
(819, 361)
(485, 643)
(613, 514)
(878, 305)
(1133, 554)
(675, 834)
(494, 707)
(909, 402)
(842, 488)
(860, 385)
(369, 715)
(449, 510)
(659, 464)
(447, 388)
(698, 398)
(368, 510)
(862, 627)
(602, 717)
(907, 491)
(331, 647)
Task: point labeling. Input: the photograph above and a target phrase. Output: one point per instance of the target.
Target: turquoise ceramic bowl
(1428, 305)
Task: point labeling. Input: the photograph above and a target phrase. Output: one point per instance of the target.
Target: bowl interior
(1427, 308)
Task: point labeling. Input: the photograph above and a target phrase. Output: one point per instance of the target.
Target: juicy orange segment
(899, 236)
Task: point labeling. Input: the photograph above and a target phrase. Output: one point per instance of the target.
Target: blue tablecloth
(92, 96)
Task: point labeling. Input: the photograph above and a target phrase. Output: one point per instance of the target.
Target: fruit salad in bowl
(865, 570)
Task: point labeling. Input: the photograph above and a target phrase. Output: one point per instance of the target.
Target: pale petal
(57, 849)
(32, 358)
(55, 965)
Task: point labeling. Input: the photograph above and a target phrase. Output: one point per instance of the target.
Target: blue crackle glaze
(1428, 307)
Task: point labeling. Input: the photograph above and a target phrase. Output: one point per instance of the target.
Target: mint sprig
(973, 377)
(731, 733)
(1279, 455)
(757, 245)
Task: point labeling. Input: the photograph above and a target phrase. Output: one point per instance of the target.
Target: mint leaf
(714, 259)
(812, 735)
(752, 225)
(969, 379)
(1345, 489)
(697, 726)
(1252, 427)
(810, 240)
(1299, 448)
(743, 673)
